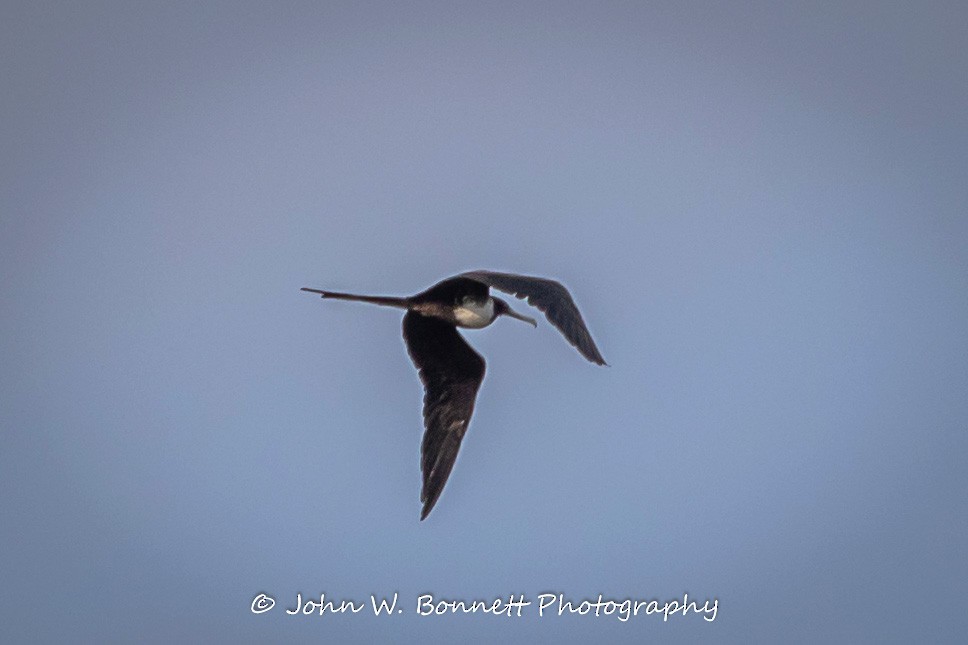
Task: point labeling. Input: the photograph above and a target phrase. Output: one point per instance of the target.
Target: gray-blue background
(760, 208)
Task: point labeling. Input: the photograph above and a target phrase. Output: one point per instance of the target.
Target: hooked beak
(514, 314)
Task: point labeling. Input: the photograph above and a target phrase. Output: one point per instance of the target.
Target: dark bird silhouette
(450, 370)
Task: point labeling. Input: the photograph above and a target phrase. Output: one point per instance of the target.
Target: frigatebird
(450, 370)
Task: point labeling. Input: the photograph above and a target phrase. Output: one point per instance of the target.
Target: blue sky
(759, 208)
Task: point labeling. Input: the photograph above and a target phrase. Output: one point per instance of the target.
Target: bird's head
(502, 308)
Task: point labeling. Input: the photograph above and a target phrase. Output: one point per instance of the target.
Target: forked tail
(386, 301)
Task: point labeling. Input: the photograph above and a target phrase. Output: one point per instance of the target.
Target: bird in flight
(450, 370)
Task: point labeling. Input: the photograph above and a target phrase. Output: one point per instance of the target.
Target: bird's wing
(451, 373)
(550, 297)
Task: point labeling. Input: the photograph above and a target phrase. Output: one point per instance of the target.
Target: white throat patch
(475, 314)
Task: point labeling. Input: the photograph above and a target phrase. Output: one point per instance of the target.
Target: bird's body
(450, 370)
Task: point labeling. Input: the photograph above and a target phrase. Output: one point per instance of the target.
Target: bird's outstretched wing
(550, 297)
(451, 373)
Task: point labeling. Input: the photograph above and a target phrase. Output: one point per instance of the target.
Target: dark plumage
(450, 370)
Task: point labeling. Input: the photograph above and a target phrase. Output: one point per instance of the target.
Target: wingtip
(429, 502)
